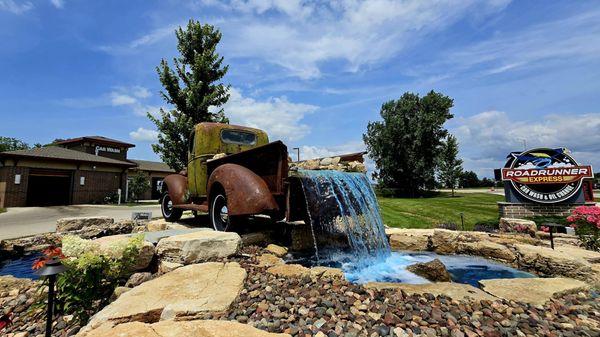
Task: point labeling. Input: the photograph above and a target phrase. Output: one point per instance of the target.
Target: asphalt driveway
(24, 221)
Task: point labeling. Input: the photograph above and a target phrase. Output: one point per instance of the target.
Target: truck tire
(166, 207)
(218, 213)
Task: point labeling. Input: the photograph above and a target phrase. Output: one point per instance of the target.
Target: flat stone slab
(154, 237)
(409, 239)
(561, 262)
(198, 246)
(531, 290)
(455, 291)
(76, 223)
(185, 291)
(199, 328)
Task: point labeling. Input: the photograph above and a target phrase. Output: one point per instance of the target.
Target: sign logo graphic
(545, 175)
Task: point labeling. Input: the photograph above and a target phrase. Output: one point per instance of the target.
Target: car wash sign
(545, 175)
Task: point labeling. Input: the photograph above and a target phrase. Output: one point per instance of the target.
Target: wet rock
(409, 239)
(434, 271)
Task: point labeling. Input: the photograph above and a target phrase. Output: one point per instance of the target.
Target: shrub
(488, 226)
(586, 222)
(447, 225)
(92, 274)
(111, 198)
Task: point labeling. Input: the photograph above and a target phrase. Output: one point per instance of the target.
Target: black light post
(52, 268)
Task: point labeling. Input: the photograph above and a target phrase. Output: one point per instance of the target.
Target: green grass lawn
(428, 212)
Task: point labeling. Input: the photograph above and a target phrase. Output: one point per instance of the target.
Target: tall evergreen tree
(406, 143)
(193, 87)
(449, 166)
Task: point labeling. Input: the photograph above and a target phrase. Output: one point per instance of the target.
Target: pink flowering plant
(586, 222)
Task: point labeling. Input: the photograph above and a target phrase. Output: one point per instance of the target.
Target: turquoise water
(20, 267)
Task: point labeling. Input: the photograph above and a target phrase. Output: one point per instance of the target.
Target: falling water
(343, 207)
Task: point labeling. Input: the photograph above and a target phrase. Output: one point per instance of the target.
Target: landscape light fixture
(52, 268)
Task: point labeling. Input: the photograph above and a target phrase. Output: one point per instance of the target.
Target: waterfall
(343, 210)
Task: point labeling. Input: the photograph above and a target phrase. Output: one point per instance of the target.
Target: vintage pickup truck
(234, 172)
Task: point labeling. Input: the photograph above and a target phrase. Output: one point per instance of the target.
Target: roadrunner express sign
(545, 175)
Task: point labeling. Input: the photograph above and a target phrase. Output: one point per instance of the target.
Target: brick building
(75, 171)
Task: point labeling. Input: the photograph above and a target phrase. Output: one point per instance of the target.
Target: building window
(17, 179)
(82, 181)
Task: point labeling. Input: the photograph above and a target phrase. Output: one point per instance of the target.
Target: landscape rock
(268, 260)
(145, 254)
(156, 225)
(277, 250)
(137, 279)
(255, 239)
(446, 241)
(555, 263)
(184, 292)
(75, 223)
(512, 225)
(166, 266)
(198, 246)
(534, 291)
(289, 270)
(455, 291)
(409, 239)
(320, 271)
(434, 271)
(197, 328)
(487, 249)
(118, 292)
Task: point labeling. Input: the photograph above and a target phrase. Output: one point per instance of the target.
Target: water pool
(19, 267)
(392, 268)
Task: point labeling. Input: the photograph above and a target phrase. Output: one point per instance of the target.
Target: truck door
(197, 166)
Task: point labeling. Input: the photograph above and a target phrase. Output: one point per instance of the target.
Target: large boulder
(434, 271)
(183, 292)
(512, 225)
(198, 246)
(487, 249)
(455, 291)
(446, 241)
(107, 245)
(409, 239)
(198, 328)
(565, 262)
(76, 223)
(534, 291)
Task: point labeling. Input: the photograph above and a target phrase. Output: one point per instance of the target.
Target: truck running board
(193, 207)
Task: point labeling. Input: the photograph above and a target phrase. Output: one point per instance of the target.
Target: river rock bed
(330, 306)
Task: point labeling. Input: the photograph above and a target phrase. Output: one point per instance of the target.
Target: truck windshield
(238, 137)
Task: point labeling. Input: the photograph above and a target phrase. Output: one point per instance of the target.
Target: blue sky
(312, 73)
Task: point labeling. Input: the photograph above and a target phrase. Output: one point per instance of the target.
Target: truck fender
(176, 185)
(246, 192)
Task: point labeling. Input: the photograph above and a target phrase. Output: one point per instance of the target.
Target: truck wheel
(166, 206)
(219, 215)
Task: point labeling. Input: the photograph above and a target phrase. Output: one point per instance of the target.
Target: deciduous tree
(449, 165)
(193, 87)
(12, 144)
(406, 143)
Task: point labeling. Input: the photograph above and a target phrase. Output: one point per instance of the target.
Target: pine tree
(449, 166)
(193, 87)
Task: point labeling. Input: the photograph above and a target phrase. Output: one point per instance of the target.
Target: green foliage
(406, 144)
(449, 166)
(193, 87)
(12, 144)
(111, 198)
(469, 179)
(138, 184)
(92, 275)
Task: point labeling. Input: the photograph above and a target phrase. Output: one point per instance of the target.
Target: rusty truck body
(233, 172)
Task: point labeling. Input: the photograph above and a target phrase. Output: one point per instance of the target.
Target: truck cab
(233, 171)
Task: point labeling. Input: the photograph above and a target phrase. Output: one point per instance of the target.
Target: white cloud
(144, 135)
(281, 118)
(117, 99)
(15, 7)
(133, 97)
(572, 38)
(300, 36)
(488, 137)
(58, 3)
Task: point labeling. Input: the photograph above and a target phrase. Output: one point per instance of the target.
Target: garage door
(49, 188)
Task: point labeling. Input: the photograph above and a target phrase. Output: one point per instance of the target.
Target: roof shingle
(61, 153)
